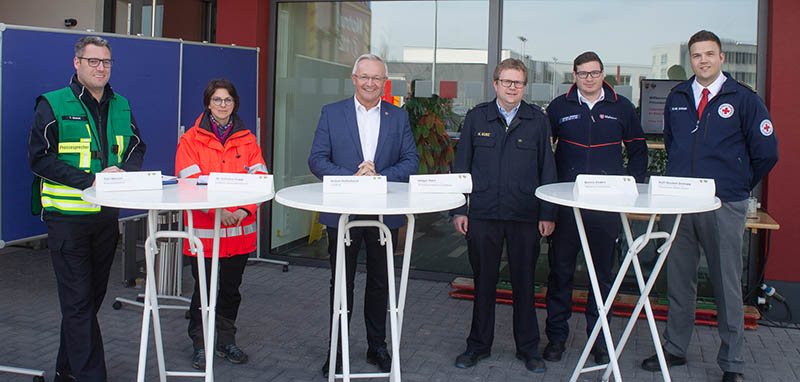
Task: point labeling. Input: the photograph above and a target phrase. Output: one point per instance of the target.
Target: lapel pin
(386, 113)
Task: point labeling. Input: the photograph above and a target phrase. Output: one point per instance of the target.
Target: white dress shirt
(583, 99)
(369, 126)
(713, 89)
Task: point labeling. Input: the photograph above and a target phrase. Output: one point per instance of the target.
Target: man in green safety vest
(77, 131)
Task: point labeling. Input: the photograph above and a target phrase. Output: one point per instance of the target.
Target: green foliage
(428, 118)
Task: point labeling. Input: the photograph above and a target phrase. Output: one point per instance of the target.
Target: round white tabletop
(397, 201)
(562, 194)
(185, 195)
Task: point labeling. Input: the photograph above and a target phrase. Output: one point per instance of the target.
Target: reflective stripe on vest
(204, 233)
(65, 198)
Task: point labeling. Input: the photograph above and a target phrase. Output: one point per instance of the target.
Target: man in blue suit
(364, 136)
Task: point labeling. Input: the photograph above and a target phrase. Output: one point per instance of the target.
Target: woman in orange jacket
(220, 142)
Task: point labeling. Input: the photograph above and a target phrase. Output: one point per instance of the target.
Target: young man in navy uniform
(505, 145)
(714, 127)
(590, 124)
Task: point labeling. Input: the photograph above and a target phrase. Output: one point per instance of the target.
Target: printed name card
(441, 183)
(605, 185)
(354, 184)
(222, 181)
(128, 181)
(687, 187)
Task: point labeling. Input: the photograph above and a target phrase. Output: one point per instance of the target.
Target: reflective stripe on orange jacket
(200, 153)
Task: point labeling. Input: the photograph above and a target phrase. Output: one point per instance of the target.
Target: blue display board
(204, 62)
(146, 71)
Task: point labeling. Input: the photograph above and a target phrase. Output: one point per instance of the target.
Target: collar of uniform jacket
(610, 94)
(525, 111)
(78, 88)
(727, 86)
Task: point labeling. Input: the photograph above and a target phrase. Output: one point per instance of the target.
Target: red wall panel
(783, 182)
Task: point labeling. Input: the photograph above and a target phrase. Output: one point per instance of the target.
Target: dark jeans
(376, 293)
(231, 270)
(82, 254)
(485, 240)
(602, 231)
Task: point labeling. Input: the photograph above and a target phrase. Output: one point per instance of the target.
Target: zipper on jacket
(744, 174)
(589, 144)
(694, 145)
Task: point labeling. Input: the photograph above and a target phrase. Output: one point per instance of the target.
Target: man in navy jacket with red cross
(714, 127)
(590, 123)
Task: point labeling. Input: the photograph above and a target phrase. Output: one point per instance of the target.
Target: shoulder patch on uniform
(725, 110)
(766, 127)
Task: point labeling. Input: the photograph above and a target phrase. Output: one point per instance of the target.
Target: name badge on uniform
(236, 182)
(128, 181)
(354, 184)
(441, 183)
(73, 147)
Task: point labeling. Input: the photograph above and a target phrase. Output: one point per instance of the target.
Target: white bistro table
(562, 194)
(186, 195)
(397, 201)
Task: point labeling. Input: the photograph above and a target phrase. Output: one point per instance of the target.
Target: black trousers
(485, 240)
(602, 231)
(82, 254)
(231, 270)
(376, 293)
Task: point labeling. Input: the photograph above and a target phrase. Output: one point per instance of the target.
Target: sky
(620, 31)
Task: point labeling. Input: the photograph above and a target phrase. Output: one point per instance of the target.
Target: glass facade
(445, 48)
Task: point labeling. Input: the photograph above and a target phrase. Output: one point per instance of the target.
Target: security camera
(69, 23)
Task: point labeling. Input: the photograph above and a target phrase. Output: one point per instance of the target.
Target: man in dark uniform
(714, 127)
(505, 145)
(77, 131)
(590, 124)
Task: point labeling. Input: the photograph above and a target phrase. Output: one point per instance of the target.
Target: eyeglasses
(585, 75)
(222, 102)
(366, 78)
(508, 83)
(95, 62)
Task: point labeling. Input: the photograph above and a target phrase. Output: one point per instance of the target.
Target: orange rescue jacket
(200, 153)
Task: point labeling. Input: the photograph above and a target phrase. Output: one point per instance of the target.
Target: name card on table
(128, 181)
(441, 183)
(354, 184)
(605, 185)
(686, 187)
(222, 181)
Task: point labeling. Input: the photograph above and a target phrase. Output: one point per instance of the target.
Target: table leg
(601, 309)
(151, 305)
(339, 306)
(393, 310)
(645, 288)
(210, 309)
(401, 301)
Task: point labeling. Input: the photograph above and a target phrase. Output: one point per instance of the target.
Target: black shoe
(730, 376)
(64, 377)
(199, 359)
(651, 364)
(380, 358)
(469, 359)
(553, 351)
(232, 353)
(600, 353)
(534, 364)
(326, 367)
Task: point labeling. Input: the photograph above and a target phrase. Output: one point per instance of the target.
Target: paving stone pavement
(283, 326)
